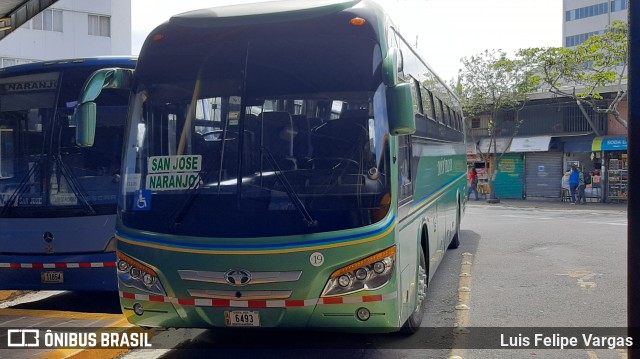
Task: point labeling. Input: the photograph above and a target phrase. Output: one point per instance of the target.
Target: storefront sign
(530, 144)
(609, 144)
(494, 145)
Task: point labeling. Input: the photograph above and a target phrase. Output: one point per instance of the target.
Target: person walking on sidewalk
(473, 184)
(582, 185)
(574, 182)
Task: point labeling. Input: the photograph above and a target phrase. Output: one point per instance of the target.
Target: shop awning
(576, 142)
(609, 143)
(487, 146)
(471, 149)
(530, 144)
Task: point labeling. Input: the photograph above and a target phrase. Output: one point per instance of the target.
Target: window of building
(48, 20)
(592, 10)
(8, 61)
(618, 5)
(475, 123)
(576, 40)
(99, 25)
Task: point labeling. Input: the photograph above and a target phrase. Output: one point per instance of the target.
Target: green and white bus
(288, 164)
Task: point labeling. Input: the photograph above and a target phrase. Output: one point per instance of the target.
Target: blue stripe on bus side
(270, 247)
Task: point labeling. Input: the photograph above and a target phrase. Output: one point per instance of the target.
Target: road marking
(57, 314)
(621, 223)
(463, 307)
(117, 321)
(10, 294)
(519, 216)
(582, 278)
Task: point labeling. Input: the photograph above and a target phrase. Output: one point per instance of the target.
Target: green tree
(582, 72)
(490, 82)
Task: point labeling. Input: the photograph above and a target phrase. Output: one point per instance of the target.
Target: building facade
(71, 29)
(583, 18)
(553, 134)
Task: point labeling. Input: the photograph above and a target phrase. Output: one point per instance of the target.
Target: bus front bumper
(333, 314)
(87, 272)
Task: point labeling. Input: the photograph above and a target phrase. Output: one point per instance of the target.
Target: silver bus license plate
(51, 277)
(242, 318)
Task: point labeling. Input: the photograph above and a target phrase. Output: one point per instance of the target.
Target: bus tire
(455, 241)
(412, 324)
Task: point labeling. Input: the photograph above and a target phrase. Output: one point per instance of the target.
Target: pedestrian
(581, 189)
(473, 183)
(574, 182)
(565, 180)
(585, 181)
(565, 191)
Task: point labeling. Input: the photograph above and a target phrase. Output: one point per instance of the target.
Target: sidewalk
(552, 203)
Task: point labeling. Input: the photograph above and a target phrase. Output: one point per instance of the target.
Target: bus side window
(405, 184)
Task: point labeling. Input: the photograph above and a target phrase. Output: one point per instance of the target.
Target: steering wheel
(332, 161)
(231, 135)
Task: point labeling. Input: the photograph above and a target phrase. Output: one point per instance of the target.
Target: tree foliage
(582, 72)
(488, 83)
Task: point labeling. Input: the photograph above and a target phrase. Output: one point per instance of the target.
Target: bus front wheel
(413, 322)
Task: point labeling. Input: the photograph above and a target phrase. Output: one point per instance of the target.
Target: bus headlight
(367, 274)
(134, 274)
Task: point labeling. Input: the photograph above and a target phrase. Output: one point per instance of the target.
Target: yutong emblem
(238, 277)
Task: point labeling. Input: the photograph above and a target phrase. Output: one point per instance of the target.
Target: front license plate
(51, 277)
(242, 318)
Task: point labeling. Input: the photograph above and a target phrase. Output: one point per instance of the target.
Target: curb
(11, 294)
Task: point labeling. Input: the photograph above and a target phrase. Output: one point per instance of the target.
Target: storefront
(578, 152)
(614, 169)
(509, 183)
(542, 169)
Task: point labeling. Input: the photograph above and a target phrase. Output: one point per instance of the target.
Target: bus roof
(263, 12)
(104, 61)
(200, 30)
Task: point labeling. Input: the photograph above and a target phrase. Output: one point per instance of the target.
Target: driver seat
(278, 136)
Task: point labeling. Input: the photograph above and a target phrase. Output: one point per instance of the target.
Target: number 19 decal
(316, 259)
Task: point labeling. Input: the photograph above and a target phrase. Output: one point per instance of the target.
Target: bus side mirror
(392, 65)
(85, 118)
(400, 110)
(86, 112)
(112, 78)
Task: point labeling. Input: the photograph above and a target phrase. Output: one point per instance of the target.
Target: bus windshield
(252, 136)
(42, 171)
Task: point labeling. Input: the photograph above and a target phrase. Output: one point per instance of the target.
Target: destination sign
(166, 173)
(30, 83)
(182, 163)
(172, 181)
(31, 86)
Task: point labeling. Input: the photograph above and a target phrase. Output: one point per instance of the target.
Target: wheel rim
(422, 286)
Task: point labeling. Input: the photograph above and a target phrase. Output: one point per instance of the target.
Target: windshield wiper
(76, 188)
(293, 196)
(6, 210)
(194, 192)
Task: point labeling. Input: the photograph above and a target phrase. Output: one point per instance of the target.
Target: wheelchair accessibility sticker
(142, 200)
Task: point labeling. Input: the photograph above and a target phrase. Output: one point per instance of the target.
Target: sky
(444, 30)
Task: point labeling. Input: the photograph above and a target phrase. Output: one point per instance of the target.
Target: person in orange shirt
(473, 184)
